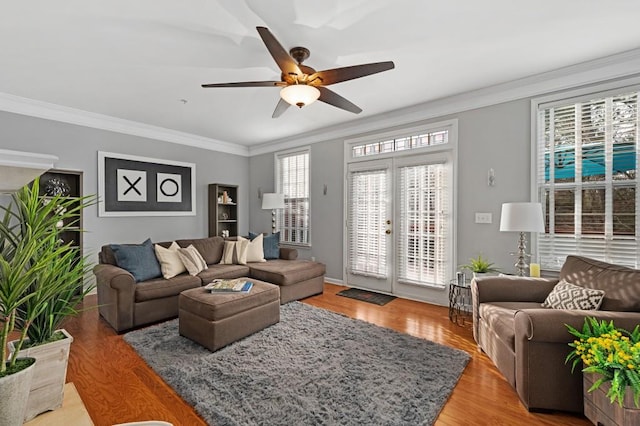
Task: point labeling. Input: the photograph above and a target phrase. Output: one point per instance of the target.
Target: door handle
(388, 231)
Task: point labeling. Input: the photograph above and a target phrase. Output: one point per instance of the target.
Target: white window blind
(422, 252)
(366, 223)
(587, 156)
(292, 174)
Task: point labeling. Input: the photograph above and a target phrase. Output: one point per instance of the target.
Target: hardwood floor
(117, 386)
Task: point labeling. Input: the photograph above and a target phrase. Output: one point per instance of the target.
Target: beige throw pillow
(170, 262)
(235, 252)
(192, 259)
(255, 250)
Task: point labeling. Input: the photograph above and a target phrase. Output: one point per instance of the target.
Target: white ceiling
(140, 60)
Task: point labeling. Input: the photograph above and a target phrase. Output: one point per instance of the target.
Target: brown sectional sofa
(529, 343)
(125, 304)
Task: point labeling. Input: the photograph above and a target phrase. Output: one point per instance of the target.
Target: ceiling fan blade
(283, 59)
(247, 84)
(280, 108)
(338, 75)
(332, 98)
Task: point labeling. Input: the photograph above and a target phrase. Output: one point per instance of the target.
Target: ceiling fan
(302, 85)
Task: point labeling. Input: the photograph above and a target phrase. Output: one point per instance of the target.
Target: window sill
(295, 246)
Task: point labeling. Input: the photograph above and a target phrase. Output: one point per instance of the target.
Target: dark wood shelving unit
(223, 209)
(67, 183)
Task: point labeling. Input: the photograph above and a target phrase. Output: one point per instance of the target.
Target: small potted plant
(479, 265)
(611, 360)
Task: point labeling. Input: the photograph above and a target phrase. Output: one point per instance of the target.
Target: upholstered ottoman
(297, 278)
(216, 320)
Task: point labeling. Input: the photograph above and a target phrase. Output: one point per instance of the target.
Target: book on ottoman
(229, 286)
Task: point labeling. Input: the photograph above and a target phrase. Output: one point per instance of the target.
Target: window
(587, 178)
(400, 144)
(292, 180)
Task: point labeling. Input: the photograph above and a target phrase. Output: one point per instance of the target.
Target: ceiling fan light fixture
(300, 94)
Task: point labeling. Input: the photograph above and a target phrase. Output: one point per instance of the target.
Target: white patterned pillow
(570, 296)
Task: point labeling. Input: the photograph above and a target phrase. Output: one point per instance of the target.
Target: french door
(369, 220)
(398, 227)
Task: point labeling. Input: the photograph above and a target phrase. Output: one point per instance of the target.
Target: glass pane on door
(422, 237)
(367, 223)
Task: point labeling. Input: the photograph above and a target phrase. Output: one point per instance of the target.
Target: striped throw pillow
(192, 260)
(235, 252)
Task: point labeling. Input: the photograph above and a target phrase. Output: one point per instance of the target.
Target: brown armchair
(529, 343)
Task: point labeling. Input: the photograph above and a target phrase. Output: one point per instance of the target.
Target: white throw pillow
(170, 262)
(570, 296)
(192, 259)
(255, 250)
(235, 252)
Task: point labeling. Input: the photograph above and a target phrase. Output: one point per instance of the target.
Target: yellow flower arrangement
(612, 352)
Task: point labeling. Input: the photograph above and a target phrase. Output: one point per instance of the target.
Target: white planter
(483, 274)
(14, 390)
(50, 374)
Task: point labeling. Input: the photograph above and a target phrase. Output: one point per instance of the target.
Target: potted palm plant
(479, 265)
(16, 276)
(55, 288)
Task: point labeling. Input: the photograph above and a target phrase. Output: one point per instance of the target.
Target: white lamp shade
(272, 201)
(300, 94)
(18, 168)
(521, 217)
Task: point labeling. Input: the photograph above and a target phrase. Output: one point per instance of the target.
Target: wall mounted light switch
(484, 217)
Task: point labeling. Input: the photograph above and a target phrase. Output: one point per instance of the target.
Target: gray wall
(77, 149)
(326, 210)
(492, 137)
(495, 137)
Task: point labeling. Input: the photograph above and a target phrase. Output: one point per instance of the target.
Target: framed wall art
(139, 186)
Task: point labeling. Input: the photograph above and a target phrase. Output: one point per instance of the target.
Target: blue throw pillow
(269, 244)
(139, 259)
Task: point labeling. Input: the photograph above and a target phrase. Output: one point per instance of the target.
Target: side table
(460, 309)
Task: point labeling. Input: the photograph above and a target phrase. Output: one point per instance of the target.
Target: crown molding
(612, 67)
(49, 111)
(619, 66)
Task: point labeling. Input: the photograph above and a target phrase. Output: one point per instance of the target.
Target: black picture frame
(130, 185)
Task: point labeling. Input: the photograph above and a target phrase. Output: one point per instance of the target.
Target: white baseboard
(333, 281)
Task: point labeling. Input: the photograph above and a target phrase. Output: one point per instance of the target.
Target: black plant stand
(459, 302)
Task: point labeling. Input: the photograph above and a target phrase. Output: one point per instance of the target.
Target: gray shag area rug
(315, 367)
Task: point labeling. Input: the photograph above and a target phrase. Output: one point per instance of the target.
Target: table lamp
(521, 217)
(272, 201)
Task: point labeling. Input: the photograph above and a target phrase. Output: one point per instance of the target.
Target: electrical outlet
(484, 217)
